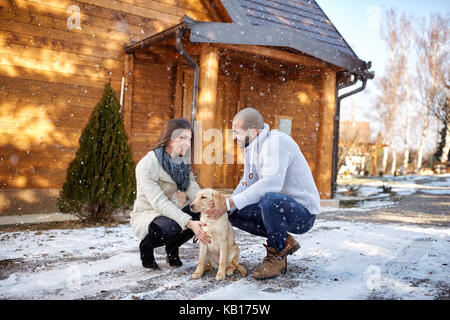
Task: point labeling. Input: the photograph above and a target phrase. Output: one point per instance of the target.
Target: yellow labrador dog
(222, 253)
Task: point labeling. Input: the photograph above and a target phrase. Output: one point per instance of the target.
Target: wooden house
(199, 59)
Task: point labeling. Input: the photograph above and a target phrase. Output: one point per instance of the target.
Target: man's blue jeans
(272, 217)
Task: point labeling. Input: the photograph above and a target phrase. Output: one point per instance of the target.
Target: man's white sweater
(274, 163)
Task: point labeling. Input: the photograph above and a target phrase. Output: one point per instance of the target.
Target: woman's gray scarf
(178, 169)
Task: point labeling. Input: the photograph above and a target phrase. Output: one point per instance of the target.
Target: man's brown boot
(291, 246)
(272, 265)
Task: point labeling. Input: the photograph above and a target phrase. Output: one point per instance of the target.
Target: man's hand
(215, 213)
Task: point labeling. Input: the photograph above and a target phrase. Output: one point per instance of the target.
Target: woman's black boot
(152, 240)
(147, 257)
(172, 256)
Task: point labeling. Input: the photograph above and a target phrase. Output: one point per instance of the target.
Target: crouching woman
(157, 219)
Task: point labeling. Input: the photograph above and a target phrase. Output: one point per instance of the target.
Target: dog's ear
(219, 200)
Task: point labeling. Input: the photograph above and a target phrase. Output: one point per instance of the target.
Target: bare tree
(432, 55)
(394, 162)
(391, 83)
(409, 36)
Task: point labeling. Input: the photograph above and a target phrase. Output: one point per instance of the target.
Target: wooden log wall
(52, 75)
(153, 104)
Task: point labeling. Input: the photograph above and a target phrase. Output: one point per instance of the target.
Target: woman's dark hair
(167, 130)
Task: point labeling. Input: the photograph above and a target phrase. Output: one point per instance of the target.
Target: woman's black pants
(165, 231)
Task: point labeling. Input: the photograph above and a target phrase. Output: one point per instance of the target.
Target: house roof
(296, 24)
(303, 15)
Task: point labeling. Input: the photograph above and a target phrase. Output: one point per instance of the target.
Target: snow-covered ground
(401, 185)
(368, 193)
(337, 260)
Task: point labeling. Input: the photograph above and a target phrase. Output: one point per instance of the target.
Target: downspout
(179, 45)
(364, 76)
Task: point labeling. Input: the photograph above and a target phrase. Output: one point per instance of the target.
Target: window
(283, 123)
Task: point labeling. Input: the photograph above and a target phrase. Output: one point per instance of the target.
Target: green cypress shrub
(101, 178)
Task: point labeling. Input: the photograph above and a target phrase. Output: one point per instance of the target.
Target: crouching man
(276, 195)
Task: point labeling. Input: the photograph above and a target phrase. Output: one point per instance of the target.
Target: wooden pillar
(206, 109)
(128, 93)
(326, 132)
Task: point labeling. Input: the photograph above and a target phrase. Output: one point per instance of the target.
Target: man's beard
(244, 144)
(246, 141)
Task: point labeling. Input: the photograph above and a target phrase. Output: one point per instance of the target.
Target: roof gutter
(363, 77)
(153, 39)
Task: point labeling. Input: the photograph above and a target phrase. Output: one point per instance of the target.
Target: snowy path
(338, 260)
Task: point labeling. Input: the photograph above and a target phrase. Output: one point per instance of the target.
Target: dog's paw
(197, 275)
(220, 276)
(229, 271)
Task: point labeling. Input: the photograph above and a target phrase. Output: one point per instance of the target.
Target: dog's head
(207, 199)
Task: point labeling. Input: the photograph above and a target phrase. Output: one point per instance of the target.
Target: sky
(358, 21)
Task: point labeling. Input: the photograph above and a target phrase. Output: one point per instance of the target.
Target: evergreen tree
(101, 178)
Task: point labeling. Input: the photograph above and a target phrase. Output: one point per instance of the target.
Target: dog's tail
(241, 270)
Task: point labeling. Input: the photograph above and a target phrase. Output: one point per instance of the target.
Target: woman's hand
(197, 227)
